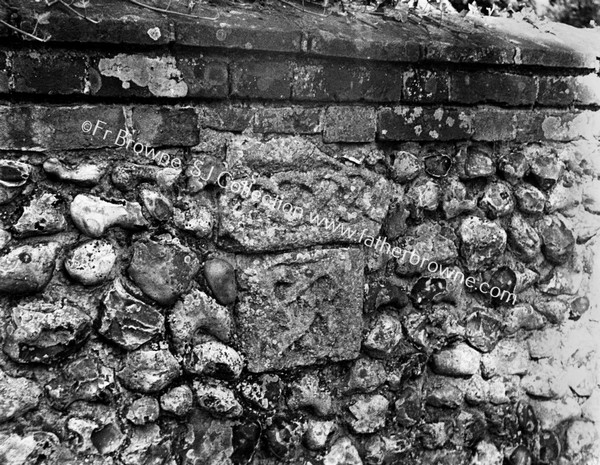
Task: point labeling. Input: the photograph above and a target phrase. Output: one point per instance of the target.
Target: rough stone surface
(41, 217)
(91, 263)
(27, 269)
(276, 305)
(177, 401)
(220, 276)
(149, 370)
(457, 361)
(482, 241)
(19, 395)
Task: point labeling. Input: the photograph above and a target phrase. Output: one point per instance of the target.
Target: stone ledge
(495, 41)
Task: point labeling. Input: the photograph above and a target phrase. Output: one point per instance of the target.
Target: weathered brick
(261, 79)
(205, 76)
(49, 72)
(494, 124)
(423, 123)
(330, 81)
(4, 87)
(161, 126)
(425, 86)
(349, 124)
(567, 90)
(30, 127)
(224, 117)
(287, 120)
(511, 89)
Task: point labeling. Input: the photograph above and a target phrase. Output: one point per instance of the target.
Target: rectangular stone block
(287, 120)
(261, 79)
(480, 87)
(425, 86)
(296, 196)
(166, 126)
(345, 82)
(300, 308)
(35, 127)
(494, 124)
(224, 117)
(205, 76)
(406, 123)
(52, 72)
(349, 124)
(568, 90)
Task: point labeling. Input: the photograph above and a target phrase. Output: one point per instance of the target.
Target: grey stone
(408, 406)
(128, 175)
(278, 212)
(306, 393)
(523, 316)
(94, 216)
(486, 453)
(317, 433)
(83, 379)
(283, 437)
(497, 200)
(558, 241)
(17, 396)
(157, 204)
(460, 360)
(546, 171)
(555, 310)
(423, 194)
(524, 239)
(209, 442)
(440, 392)
(478, 163)
(513, 166)
(551, 413)
(163, 271)
(384, 336)
(84, 174)
(437, 165)
(215, 359)
(41, 332)
(197, 313)
(178, 400)
(108, 439)
(483, 331)
(342, 452)
(217, 399)
(27, 269)
(482, 242)
(147, 444)
(366, 375)
(529, 199)
(406, 166)
(149, 370)
(427, 241)
(509, 357)
(41, 217)
(368, 413)
(264, 393)
(91, 263)
(545, 380)
(197, 214)
(299, 308)
(521, 456)
(220, 276)
(143, 410)
(455, 200)
(14, 173)
(126, 320)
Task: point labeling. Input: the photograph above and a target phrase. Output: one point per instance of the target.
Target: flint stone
(264, 393)
(178, 401)
(299, 308)
(513, 166)
(523, 316)
(197, 216)
(215, 359)
(455, 200)
(149, 370)
(108, 439)
(14, 173)
(509, 357)
(384, 336)
(497, 200)
(558, 241)
(127, 321)
(551, 413)
(460, 360)
(406, 167)
(554, 310)
(17, 396)
(197, 313)
(483, 331)
(438, 165)
(530, 200)
(40, 332)
(41, 217)
(306, 393)
(366, 375)
(477, 164)
(85, 174)
(91, 263)
(283, 437)
(83, 379)
(93, 216)
(317, 433)
(342, 452)
(261, 221)
(423, 194)
(27, 269)
(217, 399)
(368, 413)
(128, 175)
(163, 271)
(143, 410)
(147, 445)
(524, 239)
(209, 442)
(158, 205)
(487, 453)
(521, 456)
(442, 392)
(425, 242)
(482, 242)
(546, 171)
(220, 276)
